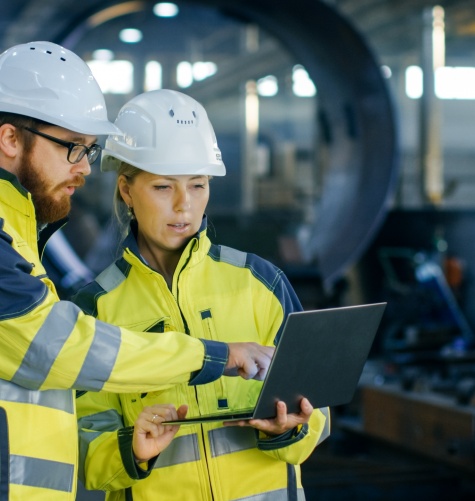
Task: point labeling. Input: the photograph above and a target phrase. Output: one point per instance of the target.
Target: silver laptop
(320, 355)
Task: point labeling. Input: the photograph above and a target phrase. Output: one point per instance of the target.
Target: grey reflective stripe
(326, 430)
(51, 338)
(109, 420)
(231, 439)
(86, 437)
(41, 473)
(100, 359)
(110, 278)
(232, 256)
(183, 449)
(55, 399)
(46, 345)
(279, 495)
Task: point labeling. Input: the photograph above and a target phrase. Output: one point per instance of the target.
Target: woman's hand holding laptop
(282, 422)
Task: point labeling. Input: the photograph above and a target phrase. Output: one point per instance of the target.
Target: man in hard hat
(51, 112)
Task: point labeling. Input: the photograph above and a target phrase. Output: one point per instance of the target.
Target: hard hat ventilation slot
(48, 52)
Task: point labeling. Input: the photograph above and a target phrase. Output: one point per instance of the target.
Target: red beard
(48, 209)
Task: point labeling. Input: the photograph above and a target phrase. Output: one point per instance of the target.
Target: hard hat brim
(110, 161)
(92, 127)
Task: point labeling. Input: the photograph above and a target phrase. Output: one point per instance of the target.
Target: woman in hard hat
(171, 277)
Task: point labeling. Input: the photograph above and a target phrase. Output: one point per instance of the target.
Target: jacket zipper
(4, 456)
(206, 459)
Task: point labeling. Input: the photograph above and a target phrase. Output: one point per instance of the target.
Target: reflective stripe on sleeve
(55, 399)
(51, 338)
(109, 420)
(91, 427)
(100, 359)
(42, 473)
(46, 345)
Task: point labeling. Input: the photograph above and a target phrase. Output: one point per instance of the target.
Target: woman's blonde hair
(122, 212)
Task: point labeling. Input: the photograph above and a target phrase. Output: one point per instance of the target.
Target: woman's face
(168, 209)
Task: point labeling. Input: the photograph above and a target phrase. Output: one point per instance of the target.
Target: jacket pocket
(209, 332)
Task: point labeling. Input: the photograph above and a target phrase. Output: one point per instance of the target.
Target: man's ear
(10, 146)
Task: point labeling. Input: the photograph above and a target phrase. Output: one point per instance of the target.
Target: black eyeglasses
(76, 151)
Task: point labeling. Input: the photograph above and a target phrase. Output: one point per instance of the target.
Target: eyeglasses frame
(70, 146)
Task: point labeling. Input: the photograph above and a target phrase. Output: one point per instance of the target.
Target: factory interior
(347, 128)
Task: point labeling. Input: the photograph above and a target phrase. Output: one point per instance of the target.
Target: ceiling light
(113, 77)
(184, 74)
(203, 69)
(153, 76)
(414, 82)
(302, 84)
(267, 86)
(130, 35)
(165, 9)
(102, 55)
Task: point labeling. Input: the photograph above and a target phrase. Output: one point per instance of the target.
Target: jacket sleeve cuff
(128, 459)
(216, 357)
(288, 438)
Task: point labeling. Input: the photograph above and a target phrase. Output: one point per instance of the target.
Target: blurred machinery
(425, 316)
(330, 198)
(418, 390)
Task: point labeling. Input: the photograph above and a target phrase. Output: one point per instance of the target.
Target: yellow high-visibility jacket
(218, 293)
(49, 347)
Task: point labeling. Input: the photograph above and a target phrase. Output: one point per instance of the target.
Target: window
(113, 77)
(302, 84)
(451, 82)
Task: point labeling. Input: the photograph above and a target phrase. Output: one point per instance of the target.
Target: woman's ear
(124, 189)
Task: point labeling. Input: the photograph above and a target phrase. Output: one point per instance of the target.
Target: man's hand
(248, 360)
(282, 422)
(150, 436)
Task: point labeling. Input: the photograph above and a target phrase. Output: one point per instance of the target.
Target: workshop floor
(353, 468)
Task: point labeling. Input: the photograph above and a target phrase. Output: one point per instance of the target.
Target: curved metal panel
(358, 140)
(357, 151)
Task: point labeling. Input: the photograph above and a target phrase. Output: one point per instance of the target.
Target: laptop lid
(320, 355)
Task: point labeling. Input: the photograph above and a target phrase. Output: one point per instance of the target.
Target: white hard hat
(165, 132)
(45, 81)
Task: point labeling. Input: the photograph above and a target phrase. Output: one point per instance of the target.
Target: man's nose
(83, 166)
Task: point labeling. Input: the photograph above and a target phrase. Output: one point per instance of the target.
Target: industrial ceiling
(391, 26)
(342, 43)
